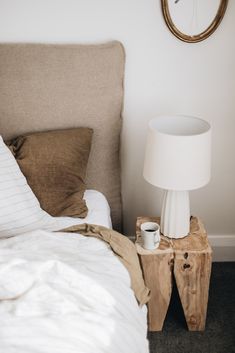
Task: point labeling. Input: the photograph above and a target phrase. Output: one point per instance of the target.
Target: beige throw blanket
(124, 249)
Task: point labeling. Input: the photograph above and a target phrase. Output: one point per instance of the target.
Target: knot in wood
(193, 320)
(185, 266)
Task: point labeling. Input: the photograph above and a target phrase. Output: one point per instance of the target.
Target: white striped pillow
(20, 210)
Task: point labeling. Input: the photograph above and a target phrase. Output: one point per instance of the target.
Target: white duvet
(62, 293)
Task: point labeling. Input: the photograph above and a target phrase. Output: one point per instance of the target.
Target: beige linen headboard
(46, 87)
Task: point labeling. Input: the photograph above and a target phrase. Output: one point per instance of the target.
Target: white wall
(163, 75)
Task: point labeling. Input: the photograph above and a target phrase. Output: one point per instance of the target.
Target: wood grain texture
(189, 260)
(192, 275)
(157, 272)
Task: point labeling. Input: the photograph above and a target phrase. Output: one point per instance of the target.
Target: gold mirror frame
(197, 37)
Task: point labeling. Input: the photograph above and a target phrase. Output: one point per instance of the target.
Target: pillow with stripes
(20, 211)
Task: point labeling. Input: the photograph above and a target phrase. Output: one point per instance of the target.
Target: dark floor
(219, 336)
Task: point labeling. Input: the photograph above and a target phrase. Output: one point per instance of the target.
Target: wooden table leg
(157, 272)
(192, 274)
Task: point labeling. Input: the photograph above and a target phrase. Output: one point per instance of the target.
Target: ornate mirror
(193, 20)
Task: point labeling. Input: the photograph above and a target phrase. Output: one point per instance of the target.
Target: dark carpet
(219, 335)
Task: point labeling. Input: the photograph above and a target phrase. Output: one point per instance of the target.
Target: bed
(62, 289)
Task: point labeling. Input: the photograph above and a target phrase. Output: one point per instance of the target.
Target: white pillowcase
(20, 210)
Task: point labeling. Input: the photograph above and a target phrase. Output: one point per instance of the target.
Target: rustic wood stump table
(187, 259)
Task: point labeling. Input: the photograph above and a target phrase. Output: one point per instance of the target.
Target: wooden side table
(189, 261)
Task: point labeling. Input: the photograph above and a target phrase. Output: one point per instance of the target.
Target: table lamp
(177, 159)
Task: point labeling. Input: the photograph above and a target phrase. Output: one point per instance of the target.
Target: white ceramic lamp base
(175, 217)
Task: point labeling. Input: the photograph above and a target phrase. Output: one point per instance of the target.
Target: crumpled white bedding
(62, 292)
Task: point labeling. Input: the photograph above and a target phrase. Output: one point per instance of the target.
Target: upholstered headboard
(46, 87)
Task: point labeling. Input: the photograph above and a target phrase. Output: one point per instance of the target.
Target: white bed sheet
(63, 292)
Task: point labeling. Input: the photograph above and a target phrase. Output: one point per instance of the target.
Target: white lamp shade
(178, 153)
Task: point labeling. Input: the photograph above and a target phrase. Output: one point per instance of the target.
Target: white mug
(150, 234)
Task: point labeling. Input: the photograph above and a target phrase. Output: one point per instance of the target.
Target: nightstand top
(196, 241)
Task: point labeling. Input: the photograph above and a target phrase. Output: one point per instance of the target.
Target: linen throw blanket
(124, 249)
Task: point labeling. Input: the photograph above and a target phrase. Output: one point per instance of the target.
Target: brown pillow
(54, 164)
